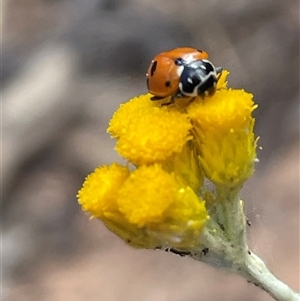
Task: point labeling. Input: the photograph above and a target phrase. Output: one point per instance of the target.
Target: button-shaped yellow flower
(147, 133)
(98, 197)
(99, 190)
(223, 127)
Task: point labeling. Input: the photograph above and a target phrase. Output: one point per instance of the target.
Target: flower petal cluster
(174, 149)
(223, 127)
(148, 134)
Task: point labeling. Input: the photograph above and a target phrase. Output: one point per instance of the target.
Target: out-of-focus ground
(66, 66)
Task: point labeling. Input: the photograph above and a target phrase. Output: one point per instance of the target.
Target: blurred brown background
(66, 66)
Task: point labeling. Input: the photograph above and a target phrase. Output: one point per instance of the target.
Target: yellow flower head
(99, 190)
(223, 127)
(98, 197)
(147, 133)
(155, 200)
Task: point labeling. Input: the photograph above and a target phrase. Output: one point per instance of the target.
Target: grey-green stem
(223, 245)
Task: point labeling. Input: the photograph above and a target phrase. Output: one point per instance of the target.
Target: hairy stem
(256, 272)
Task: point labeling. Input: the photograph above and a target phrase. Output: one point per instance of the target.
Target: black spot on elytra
(153, 68)
(179, 61)
(167, 83)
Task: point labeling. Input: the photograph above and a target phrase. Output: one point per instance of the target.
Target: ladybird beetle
(181, 72)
